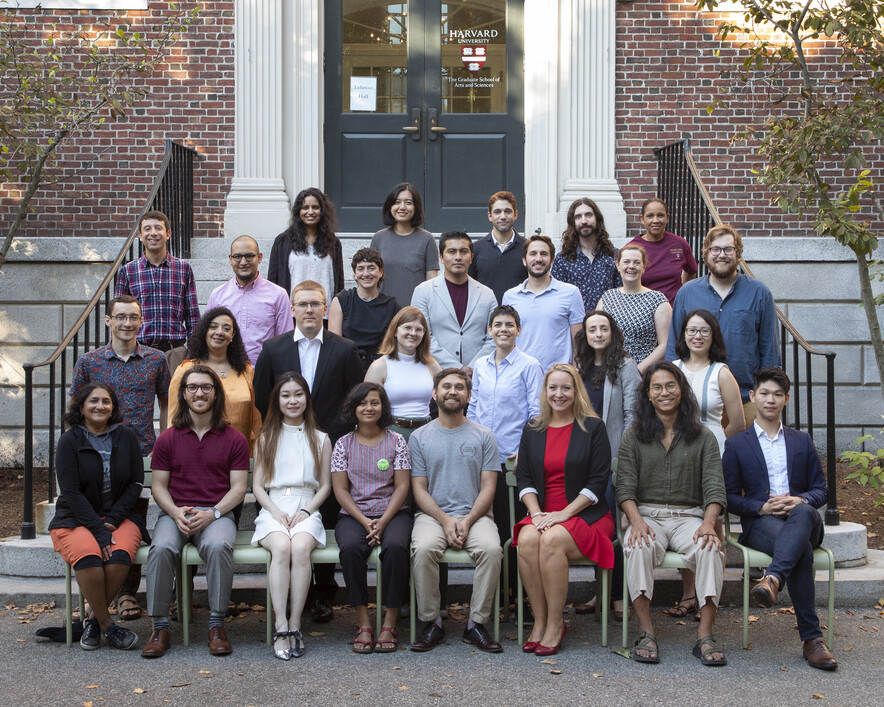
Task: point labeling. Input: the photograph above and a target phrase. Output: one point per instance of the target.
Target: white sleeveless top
(409, 386)
(704, 383)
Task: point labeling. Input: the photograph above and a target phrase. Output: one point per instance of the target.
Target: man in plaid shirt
(163, 284)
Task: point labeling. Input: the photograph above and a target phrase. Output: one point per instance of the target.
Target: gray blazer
(619, 402)
(451, 344)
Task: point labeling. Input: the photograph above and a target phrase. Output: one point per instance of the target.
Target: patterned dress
(634, 314)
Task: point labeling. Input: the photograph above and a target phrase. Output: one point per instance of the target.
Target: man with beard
(744, 307)
(497, 258)
(587, 257)
(551, 311)
(453, 476)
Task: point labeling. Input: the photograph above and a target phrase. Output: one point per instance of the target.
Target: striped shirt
(167, 295)
(371, 486)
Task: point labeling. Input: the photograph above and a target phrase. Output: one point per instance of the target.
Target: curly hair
(571, 239)
(328, 224)
(615, 354)
(183, 418)
(198, 349)
(717, 349)
(647, 425)
(354, 399)
(74, 415)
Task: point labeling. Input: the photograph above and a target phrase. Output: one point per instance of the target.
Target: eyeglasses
(308, 305)
(693, 331)
(248, 257)
(122, 318)
(717, 250)
(669, 387)
(192, 388)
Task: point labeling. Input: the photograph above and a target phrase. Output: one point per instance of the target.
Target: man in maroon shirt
(200, 470)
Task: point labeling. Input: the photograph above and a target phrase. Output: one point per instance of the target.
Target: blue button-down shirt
(505, 397)
(748, 320)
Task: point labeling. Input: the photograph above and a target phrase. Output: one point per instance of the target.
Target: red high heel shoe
(542, 650)
(530, 646)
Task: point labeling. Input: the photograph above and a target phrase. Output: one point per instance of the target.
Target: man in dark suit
(331, 365)
(775, 483)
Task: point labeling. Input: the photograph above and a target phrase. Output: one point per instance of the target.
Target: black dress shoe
(322, 612)
(478, 635)
(430, 637)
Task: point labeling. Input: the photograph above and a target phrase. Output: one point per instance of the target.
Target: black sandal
(679, 611)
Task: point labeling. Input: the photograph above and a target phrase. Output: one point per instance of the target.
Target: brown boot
(764, 594)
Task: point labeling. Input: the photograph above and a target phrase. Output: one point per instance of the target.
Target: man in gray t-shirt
(454, 468)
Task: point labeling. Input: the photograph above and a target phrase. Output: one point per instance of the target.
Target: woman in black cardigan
(563, 468)
(100, 475)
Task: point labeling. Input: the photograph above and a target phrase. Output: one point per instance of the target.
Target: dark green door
(426, 92)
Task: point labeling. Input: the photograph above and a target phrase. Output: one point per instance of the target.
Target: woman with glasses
(217, 344)
(702, 353)
(309, 249)
(406, 370)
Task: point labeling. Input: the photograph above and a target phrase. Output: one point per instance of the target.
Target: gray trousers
(215, 546)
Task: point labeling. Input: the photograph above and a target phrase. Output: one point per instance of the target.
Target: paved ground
(772, 672)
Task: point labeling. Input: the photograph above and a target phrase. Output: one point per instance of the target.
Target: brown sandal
(679, 611)
(128, 608)
(390, 646)
(360, 646)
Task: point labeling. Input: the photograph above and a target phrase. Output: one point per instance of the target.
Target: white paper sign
(364, 93)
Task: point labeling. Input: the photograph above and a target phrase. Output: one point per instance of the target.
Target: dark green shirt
(688, 474)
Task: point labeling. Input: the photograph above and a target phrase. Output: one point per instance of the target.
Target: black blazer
(278, 267)
(338, 369)
(80, 474)
(587, 465)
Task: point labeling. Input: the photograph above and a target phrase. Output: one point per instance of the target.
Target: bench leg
(379, 596)
(520, 607)
(606, 600)
(412, 610)
(68, 611)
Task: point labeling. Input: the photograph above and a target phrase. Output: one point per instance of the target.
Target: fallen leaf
(597, 675)
(863, 628)
(403, 687)
(91, 687)
(433, 694)
(817, 696)
(753, 619)
(139, 691)
(784, 669)
(848, 649)
(396, 667)
(87, 704)
(848, 612)
(510, 638)
(475, 652)
(555, 672)
(787, 610)
(10, 604)
(21, 640)
(548, 662)
(205, 672)
(181, 684)
(317, 634)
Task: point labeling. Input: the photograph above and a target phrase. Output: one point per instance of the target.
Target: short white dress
(294, 484)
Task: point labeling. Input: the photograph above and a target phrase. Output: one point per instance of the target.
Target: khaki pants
(428, 542)
(674, 530)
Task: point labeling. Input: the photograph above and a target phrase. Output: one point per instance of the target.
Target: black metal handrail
(171, 193)
(692, 214)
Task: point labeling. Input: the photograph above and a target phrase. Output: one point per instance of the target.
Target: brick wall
(104, 176)
(667, 75)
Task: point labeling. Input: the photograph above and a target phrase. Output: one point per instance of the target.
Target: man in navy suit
(775, 483)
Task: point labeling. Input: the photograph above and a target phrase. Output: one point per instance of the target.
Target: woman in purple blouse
(371, 473)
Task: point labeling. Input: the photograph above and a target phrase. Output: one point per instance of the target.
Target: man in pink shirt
(262, 309)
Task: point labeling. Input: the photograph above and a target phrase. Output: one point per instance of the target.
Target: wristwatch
(216, 513)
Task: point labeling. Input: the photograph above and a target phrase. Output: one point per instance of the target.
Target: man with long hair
(587, 257)
(200, 470)
(671, 489)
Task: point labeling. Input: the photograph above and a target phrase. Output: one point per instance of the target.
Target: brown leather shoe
(478, 635)
(157, 644)
(818, 655)
(764, 594)
(430, 637)
(218, 643)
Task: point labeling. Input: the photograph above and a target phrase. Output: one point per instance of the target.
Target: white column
(257, 203)
(586, 92)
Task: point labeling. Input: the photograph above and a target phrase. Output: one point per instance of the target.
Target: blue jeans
(790, 542)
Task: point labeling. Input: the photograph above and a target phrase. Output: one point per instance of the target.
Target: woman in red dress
(562, 472)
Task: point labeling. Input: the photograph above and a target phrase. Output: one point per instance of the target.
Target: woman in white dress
(701, 355)
(406, 370)
(291, 481)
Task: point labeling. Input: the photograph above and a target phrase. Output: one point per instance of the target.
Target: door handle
(415, 127)
(435, 128)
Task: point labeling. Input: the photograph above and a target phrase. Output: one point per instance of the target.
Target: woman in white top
(309, 249)
(642, 314)
(701, 351)
(406, 370)
(291, 481)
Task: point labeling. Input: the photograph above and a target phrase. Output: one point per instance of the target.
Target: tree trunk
(868, 300)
